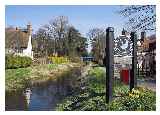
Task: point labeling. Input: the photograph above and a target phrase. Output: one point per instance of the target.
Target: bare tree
(140, 17)
(97, 40)
(40, 42)
(59, 37)
(57, 28)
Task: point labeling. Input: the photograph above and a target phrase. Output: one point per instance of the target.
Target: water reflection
(43, 96)
(15, 101)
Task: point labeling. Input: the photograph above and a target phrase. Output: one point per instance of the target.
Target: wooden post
(109, 62)
(133, 73)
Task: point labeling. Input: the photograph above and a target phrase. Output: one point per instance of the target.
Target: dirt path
(85, 70)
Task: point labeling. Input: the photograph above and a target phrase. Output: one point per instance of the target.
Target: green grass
(120, 89)
(16, 78)
(96, 80)
(93, 97)
(52, 66)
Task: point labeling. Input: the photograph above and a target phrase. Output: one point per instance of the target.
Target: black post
(109, 62)
(133, 73)
(138, 71)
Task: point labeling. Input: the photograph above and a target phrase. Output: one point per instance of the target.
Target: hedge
(13, 61)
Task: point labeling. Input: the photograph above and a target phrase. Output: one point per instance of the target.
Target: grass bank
(92, 97)
(18, 79)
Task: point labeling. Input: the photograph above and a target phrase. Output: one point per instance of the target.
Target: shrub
(58, 60)
(13, 62)
(137, 100)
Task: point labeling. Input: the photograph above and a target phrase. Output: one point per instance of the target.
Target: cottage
(18, 41)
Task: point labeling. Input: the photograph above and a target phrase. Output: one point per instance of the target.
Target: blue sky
(82, 18)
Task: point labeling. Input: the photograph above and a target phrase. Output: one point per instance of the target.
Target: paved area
(146, 83)
(149, 84)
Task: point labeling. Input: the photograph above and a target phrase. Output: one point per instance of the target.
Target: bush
(13, 62)
(138, 100)
(58, 60)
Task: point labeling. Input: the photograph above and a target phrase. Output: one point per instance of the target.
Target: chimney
(124, 32)
(17, 28)
(29, 28)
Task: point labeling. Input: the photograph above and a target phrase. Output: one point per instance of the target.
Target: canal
(43, 96)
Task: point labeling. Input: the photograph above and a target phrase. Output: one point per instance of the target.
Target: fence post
(133, 73)
(109, 62)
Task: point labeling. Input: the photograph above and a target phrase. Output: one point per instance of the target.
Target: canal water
(43, 96)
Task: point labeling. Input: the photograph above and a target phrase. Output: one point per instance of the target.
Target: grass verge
(18, 79)
(92, 98)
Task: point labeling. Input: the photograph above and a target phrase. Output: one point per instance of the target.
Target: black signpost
(133, 73)
(109, 62)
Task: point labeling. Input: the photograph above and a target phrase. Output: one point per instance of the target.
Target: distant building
(18, 41)
(148, 43)
(147, 50)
